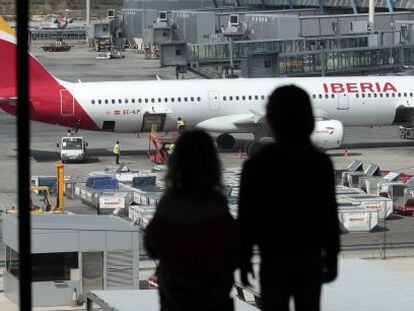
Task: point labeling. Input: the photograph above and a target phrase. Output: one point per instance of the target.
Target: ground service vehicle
(72, 149)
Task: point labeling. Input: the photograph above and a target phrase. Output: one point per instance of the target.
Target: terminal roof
(77, 222)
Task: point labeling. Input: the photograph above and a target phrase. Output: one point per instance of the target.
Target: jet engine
(328, 134)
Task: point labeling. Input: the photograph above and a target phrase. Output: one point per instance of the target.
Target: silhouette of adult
(192, 233)
(287, 207)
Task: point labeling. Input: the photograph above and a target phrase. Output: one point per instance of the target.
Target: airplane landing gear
(225, 141)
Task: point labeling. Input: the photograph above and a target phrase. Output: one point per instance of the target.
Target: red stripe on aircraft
(44, 89)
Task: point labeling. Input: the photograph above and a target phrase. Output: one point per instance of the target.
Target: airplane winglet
(257, 115)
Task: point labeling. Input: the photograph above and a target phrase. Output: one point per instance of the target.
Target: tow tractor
(41, 200)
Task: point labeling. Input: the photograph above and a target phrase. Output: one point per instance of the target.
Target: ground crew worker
(180, 124)
(171, 149)
(116, 152)
(69, 133)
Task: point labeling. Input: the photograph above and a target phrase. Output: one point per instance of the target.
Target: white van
(72, 149)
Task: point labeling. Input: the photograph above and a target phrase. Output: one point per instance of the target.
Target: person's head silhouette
(194, 167)
(289, 114)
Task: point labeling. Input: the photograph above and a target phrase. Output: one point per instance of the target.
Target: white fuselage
(355, 101)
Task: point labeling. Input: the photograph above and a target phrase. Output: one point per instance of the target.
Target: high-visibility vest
(180, 123)
(116, 149)
(171, 149)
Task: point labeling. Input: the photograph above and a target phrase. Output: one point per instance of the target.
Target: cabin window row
(146, 100)
(245, 97)
(321, 96)
(364, 95)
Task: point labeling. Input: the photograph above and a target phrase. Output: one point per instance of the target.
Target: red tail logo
(48, 98)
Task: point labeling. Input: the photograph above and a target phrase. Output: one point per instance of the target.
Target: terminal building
(214, 38)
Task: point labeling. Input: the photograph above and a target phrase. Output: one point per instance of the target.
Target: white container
(141, 215)
(384, 206)
(353, 178)
(357, 218)
(110, 200)
(386, 188)
(372, 185)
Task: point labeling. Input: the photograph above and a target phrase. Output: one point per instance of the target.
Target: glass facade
(220, 51)
(346, 60)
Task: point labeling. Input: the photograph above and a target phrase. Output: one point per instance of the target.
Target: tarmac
(379, 145)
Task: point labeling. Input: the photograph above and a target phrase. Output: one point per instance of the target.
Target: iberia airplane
(221, 106)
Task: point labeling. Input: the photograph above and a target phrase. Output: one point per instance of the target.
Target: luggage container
(148, 197)
(372, 170)
(102, 183)
(357, 218)
(372, 185)
(410, 183)
(72, 187)
(387, 188)
(107, 202)
(153, 197)
(342, 190)
(121, 172)
(353, 179)
(404, 203)
(144, 182)
(354, 166)
(141, 215)
(393, 176)
(384, 206)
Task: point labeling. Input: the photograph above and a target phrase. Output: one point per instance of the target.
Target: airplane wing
(246, 123)
(320, 115)
(234, 123)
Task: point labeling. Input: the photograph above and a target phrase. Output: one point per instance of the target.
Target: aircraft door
(153, 119)
(67, 103)
(343, 101)
(213, 99)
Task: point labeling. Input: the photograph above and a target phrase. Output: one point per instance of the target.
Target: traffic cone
(346, 155)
